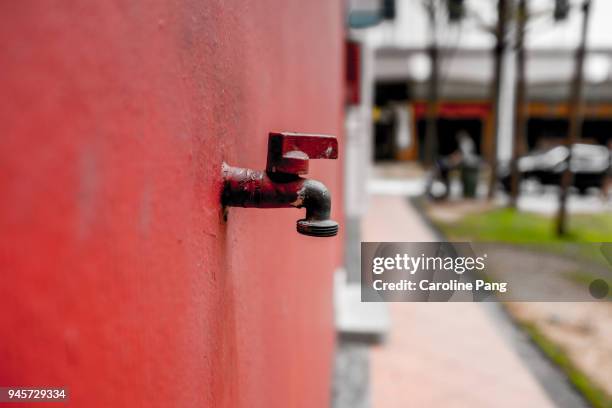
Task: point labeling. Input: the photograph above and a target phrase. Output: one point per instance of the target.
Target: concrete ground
(441, 354)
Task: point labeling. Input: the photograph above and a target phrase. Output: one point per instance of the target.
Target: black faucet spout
(317, 201)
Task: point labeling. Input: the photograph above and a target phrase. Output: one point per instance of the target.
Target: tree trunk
(575, 118)
(520, 114)
(496, 87)
(431, 129)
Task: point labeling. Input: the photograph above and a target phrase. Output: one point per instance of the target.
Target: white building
(466, 67)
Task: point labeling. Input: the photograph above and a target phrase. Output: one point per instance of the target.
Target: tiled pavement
(441, 354)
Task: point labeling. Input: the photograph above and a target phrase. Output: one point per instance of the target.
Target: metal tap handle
(289, 152)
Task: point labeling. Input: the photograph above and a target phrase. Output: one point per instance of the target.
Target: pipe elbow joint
(316, 198)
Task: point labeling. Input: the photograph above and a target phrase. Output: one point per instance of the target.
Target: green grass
(597, 397)
(534, 231)
(510, 226)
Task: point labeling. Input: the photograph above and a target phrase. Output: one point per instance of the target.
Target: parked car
(590, 165)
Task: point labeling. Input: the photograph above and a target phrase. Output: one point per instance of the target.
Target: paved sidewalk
(441, 354)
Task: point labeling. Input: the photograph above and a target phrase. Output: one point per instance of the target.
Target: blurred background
(126, 278)
(480, 120)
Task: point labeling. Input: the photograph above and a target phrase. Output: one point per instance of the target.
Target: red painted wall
(118, 277)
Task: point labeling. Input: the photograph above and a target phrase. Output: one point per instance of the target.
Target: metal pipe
(261, 189)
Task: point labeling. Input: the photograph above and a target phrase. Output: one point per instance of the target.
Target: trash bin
(469, 178)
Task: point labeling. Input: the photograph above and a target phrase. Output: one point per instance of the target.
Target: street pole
(520, 114)
(496, 87)
(431, 129)
(575, 119)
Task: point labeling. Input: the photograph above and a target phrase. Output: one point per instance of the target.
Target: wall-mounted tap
(280, 185)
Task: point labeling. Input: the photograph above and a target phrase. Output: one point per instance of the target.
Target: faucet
(280, 185)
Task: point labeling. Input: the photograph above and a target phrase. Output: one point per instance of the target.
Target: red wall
(119, 278)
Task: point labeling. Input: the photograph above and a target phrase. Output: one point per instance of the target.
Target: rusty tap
(280, 185)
